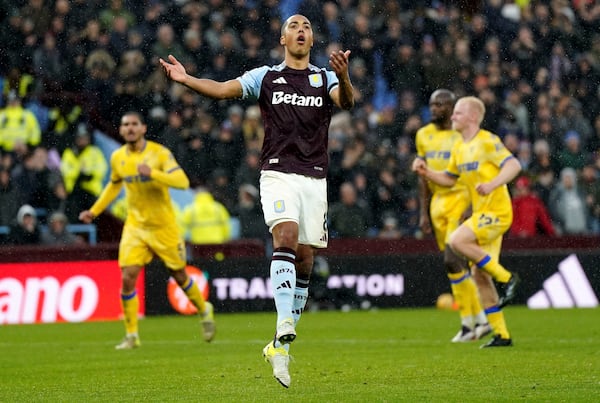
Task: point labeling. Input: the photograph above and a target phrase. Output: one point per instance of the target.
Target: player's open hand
(86, 216)
(174, 70)
(339, 62)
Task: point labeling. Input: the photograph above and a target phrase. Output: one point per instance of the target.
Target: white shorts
(298, 198)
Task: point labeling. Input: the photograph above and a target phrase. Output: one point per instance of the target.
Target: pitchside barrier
(74, 284)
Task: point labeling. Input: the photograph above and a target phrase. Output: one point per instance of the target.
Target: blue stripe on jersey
(506, 159)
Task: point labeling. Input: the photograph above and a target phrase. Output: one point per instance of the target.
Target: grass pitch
(363, 356)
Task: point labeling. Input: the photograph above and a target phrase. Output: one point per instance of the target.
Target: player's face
(132, 129)
(297, 36)
(460, 116)
(440, 108)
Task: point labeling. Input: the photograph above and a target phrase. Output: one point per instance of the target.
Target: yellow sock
(130, 304)
(496, 318)
(193, 293)
(495, 269)
(464, 290)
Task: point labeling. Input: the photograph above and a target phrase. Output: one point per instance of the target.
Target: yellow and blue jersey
(435, 146)
(148, 201)
(479, 161)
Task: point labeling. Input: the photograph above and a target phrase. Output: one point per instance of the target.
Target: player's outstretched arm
(209, 88)
(110, 193)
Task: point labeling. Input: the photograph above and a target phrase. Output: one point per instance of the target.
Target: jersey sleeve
(497, 152)
(114, 174)
(332, 80)
(419, 144)
(251, 82)
(452, 169)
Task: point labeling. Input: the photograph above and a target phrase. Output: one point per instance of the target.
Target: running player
(147, 170)
(485, 167)
(444, 208)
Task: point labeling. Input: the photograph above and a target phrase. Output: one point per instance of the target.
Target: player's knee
(180, 276)
(452, 262)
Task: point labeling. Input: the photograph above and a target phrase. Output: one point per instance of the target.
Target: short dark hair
(136, 113)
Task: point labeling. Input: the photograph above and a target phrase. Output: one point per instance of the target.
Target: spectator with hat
(58, 233)
(25, 230)
(572, 155)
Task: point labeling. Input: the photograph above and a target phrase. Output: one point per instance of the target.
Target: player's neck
(137, 146)
(296, 63)
(444, 125)
(469, 133)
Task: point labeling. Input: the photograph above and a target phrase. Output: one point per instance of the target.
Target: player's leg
(312, 233)
(281, 200)
(304, 265)
(466, 241)
(446, 212)
(283, 283)
(169, 246)
(133, 255)
(465, 294)
(489, 299)
(130, 304)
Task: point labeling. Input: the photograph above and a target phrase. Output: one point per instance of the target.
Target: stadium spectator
(543, 159)
(249, 170)
(25, 230)
(347, 218)
(409, 217)
(9, 198)
(252, 129)
(57, 233)
(567, 204)
(294, 157)
(83, 169)
(249, 213)
(531, 217)
(194, 155)
(19, 128)
(572, 155)
(205, 220)
(65, 113)
(590, 183)
(39, 185)
(147, 170)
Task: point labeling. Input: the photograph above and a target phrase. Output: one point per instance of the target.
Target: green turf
(375, 356)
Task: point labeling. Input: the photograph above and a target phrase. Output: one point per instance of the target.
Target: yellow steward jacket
(89, 162)
(18, 125)
(206, 221)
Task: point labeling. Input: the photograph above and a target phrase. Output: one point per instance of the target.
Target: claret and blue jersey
(296, 110)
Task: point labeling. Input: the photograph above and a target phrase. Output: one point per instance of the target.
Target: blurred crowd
(71, 68)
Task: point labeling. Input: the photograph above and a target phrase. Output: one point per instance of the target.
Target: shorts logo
(279, 206)
(316, 80)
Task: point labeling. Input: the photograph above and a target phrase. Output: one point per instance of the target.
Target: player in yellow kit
(485, 166)
(147, 170)
(444, 208)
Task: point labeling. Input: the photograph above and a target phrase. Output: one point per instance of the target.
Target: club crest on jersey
(315, 80)
(279, 206)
